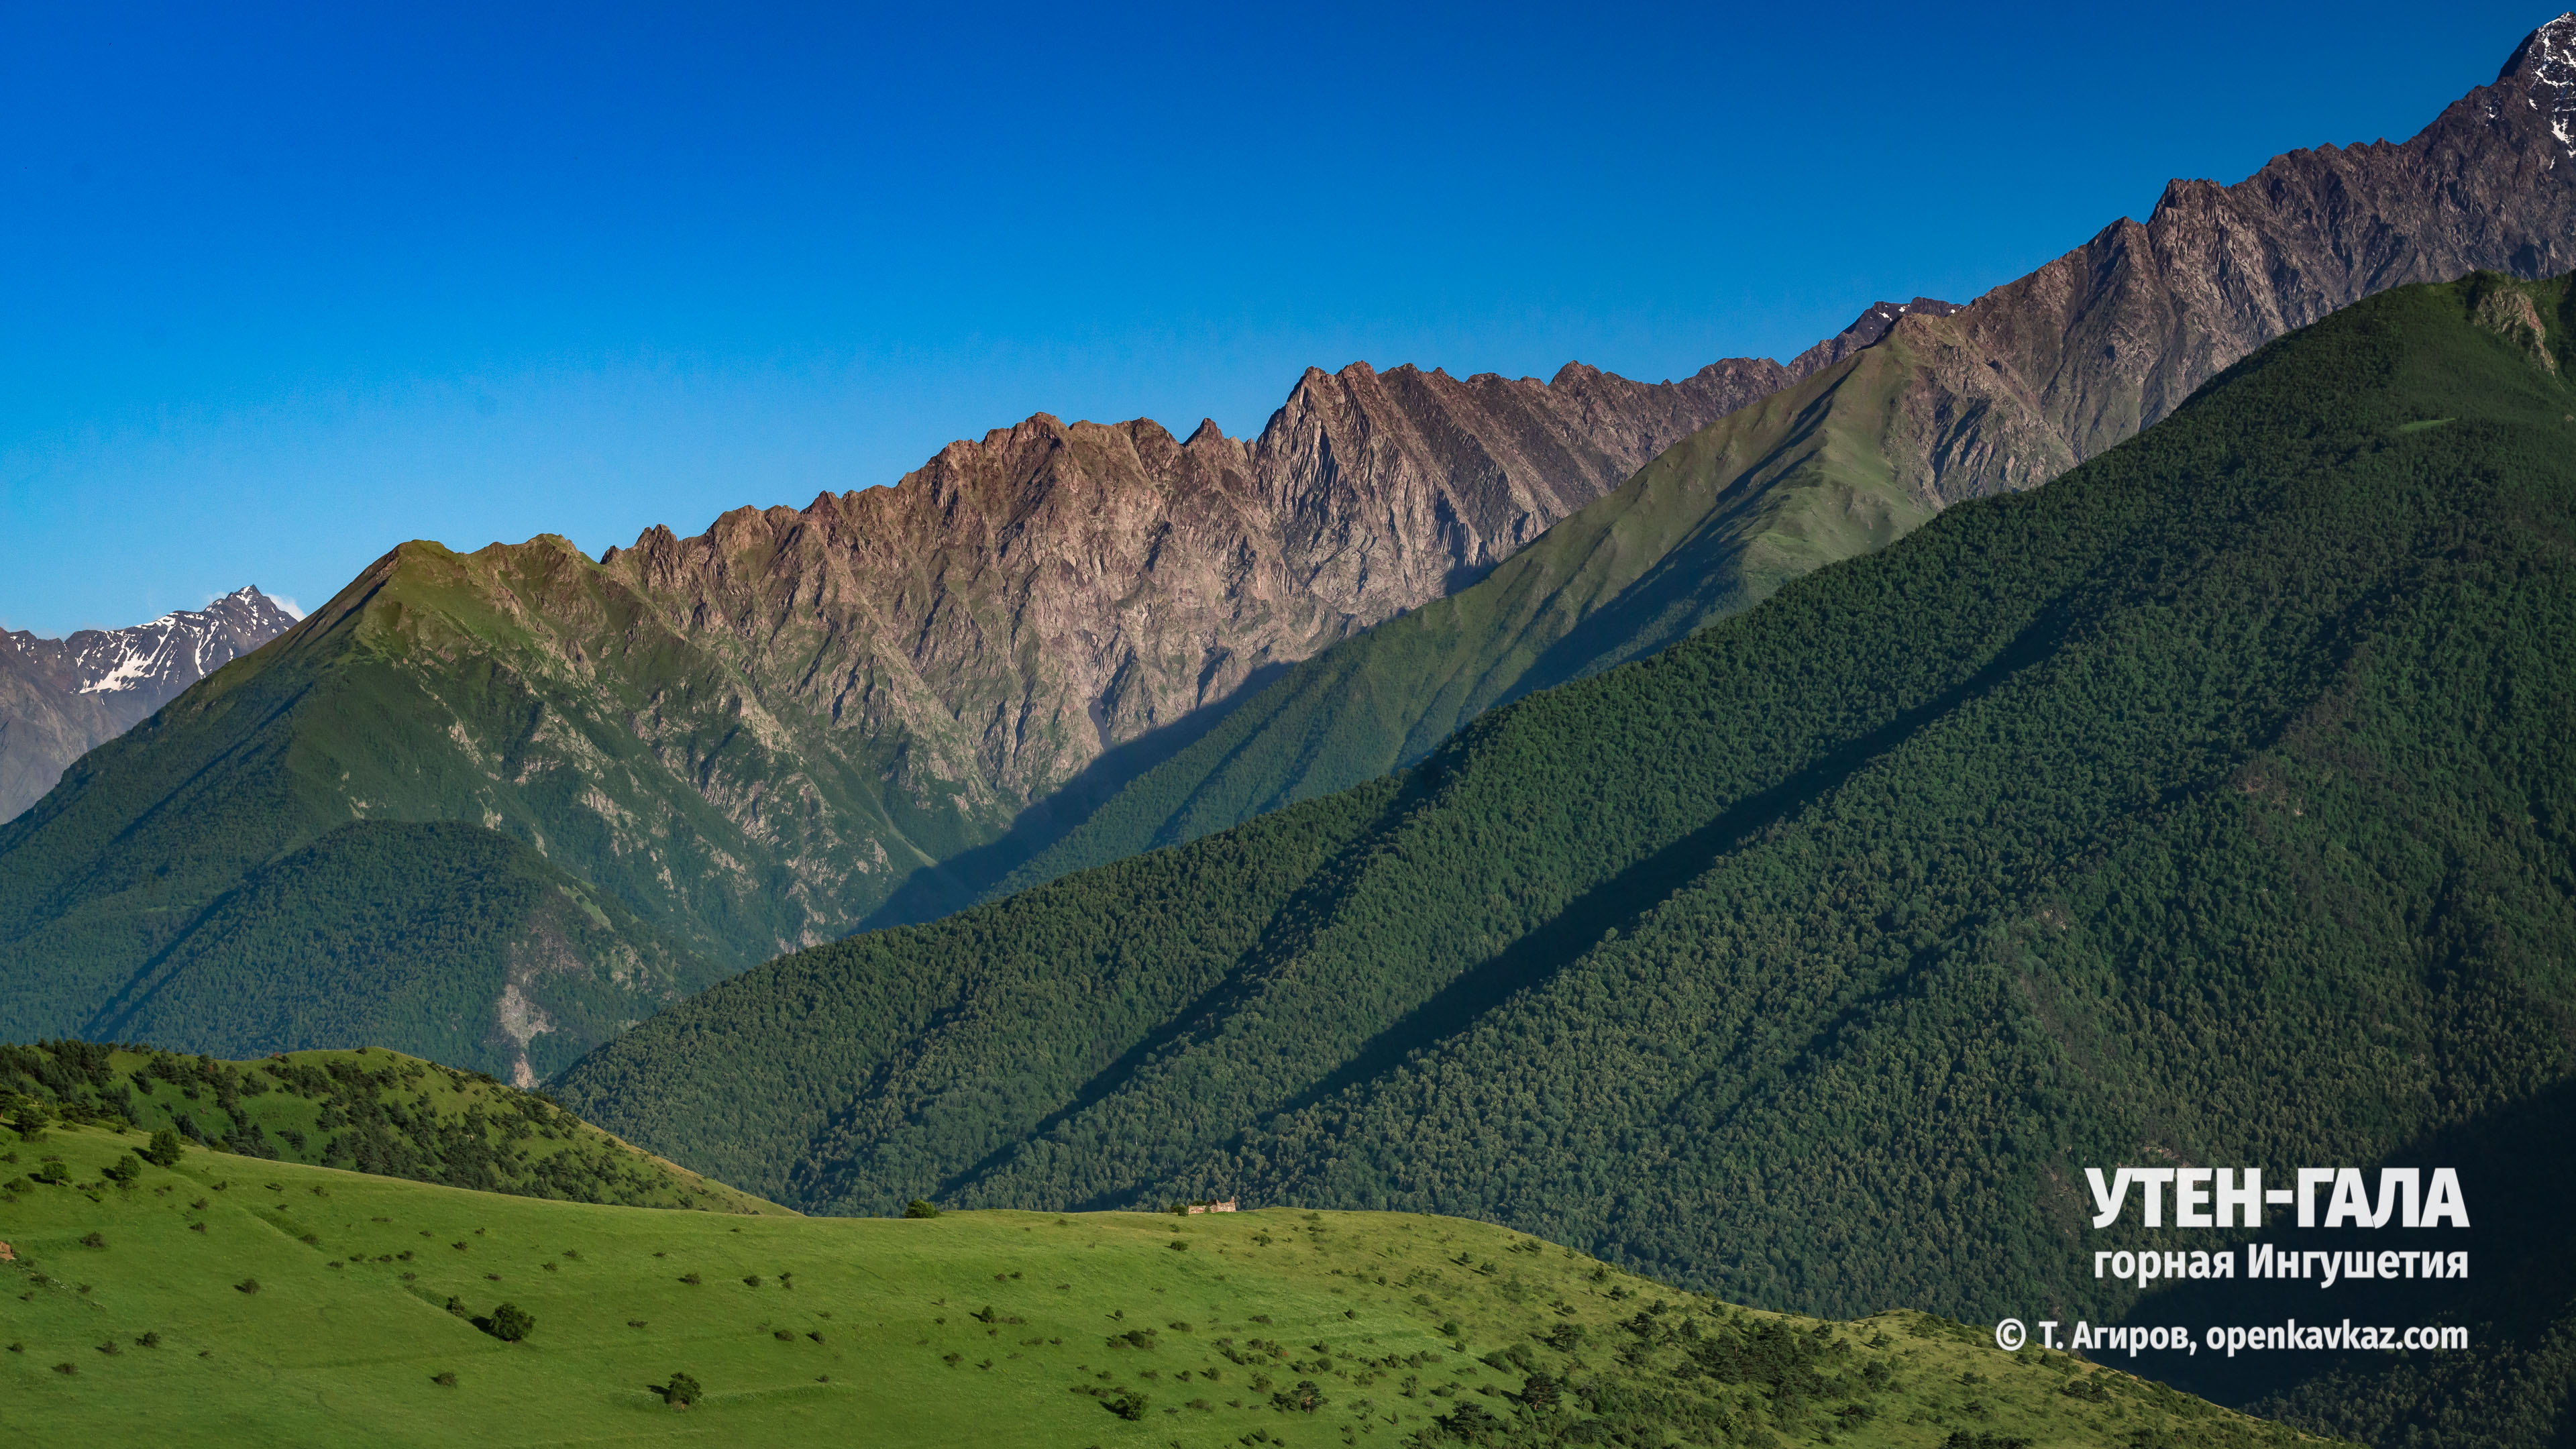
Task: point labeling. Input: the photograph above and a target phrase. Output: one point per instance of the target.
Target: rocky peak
(2543, 70)
(1865, 331)
(62, 698)
(155, 661)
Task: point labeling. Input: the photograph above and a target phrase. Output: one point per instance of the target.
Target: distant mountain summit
(61, 698)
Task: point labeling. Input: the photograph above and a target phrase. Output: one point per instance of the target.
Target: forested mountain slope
(2214, 801)
(2004, 394)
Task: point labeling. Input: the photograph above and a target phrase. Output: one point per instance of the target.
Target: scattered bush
(1128, 1405)
(93, 1240)
(920, 1208)
(682, 1391)
(510, 1323)
(247, 1285)
(444, 1380)
(124, 1170)
(164, 1149)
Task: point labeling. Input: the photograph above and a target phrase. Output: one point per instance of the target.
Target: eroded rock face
(2048, 370)
(62, 698)
(1025, 601)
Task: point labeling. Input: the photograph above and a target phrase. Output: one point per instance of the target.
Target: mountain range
(1063, 643)
(2212, 804)
(1770, 830)
(62, 698)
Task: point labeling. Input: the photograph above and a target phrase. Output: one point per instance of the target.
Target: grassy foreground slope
(372, 1110)
(2217, 801)
(232, 1301)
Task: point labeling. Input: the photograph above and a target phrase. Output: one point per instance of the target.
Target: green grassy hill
(369, 1109)
(2214, 802)
(230, 1300)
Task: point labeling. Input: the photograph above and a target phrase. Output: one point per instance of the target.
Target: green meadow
(231, 1300)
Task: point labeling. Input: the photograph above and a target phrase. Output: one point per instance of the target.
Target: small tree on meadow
(681, 1391)
(510, 1323)
(164, 1149)
(920, 1208)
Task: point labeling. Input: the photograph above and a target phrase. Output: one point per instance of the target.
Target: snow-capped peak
(157, 660)
(2545, 64)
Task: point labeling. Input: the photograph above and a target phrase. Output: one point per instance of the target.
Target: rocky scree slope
(62, 698)
(2211, 803)
(1911, 410)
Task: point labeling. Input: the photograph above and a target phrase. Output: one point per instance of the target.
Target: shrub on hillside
(919, 1208)
(509, 1323)
(682, 1391)
(164, 1149)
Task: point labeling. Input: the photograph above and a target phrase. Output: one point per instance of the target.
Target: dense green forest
(367, 1110)
(2213, 802)
(445, 939)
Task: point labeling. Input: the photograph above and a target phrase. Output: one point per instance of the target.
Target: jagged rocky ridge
(2051, 369)
(61, 698)
(804, 719)
(1912, 409)
(1024, 602)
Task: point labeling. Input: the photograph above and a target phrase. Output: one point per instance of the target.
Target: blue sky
(282, 286)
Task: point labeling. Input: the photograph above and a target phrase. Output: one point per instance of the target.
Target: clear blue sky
(285, 285)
